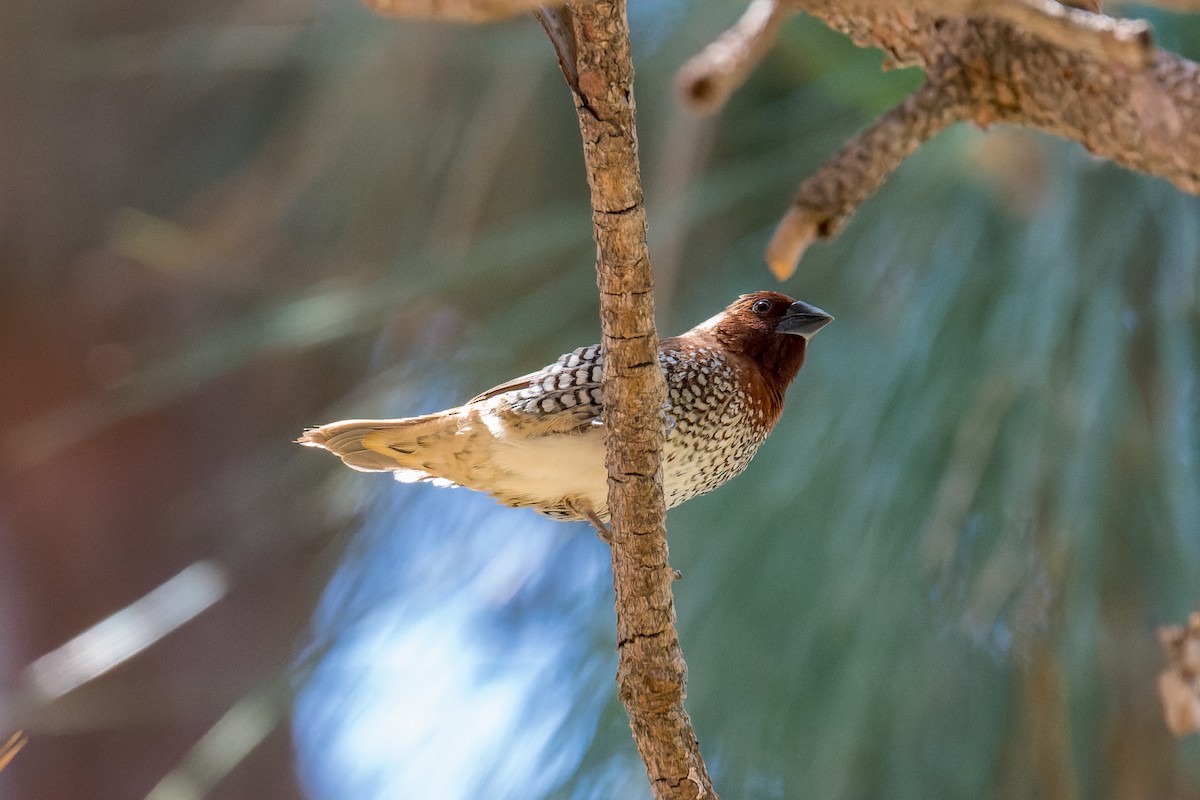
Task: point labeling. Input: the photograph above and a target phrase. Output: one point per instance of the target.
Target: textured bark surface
(1076, 74)
(592, 42)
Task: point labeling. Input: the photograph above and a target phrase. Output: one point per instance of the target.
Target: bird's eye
(761, 307)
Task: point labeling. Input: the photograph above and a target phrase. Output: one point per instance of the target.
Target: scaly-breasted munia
(538, 440)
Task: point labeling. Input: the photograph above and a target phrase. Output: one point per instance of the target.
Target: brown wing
(566, 394)
(514, 385)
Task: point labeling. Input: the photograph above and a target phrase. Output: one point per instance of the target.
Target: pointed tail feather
(381, 445)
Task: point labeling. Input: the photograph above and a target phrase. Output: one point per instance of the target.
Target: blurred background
(222, 222)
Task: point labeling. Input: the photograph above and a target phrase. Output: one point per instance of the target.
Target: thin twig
(709, 77)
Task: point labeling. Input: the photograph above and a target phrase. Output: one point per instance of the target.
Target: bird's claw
(591, 516)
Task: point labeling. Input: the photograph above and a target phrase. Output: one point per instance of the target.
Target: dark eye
(761, 307)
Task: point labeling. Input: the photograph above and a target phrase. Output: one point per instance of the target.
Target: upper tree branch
(1121, 41)
(707, 80)
(827, 198)
(1073, 73)
(592, 42)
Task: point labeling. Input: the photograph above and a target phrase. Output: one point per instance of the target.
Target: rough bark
(592, 42)
(1076, 74)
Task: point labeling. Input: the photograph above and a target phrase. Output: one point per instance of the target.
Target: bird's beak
(804, 320)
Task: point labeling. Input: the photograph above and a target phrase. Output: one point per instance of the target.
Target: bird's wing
(562, 397)
(516, 384)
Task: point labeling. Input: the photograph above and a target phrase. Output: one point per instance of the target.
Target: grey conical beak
(803, 319)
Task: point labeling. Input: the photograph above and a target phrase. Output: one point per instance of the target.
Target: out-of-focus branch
(708, 78)
(1069, 26)
(1179, 683)
(592, 43)
(829, 196)
(1121, 41)
(1077, 74)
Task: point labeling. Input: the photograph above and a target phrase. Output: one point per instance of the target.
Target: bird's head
(770, 328)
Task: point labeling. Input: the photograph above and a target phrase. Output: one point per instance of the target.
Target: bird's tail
(402, 446)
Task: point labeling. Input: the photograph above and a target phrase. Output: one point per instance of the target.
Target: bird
(538, 440)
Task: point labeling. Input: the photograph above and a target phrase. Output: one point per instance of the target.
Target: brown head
(768, 328)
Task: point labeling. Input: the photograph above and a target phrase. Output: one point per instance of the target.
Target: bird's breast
(716, 422)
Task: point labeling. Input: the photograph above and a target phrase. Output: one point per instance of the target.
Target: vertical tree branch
(592, 42)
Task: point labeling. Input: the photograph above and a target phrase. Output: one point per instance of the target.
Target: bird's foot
(603, 531)
(591, 516)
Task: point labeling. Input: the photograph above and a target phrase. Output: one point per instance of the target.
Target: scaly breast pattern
(714, 426)
(715, 423)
